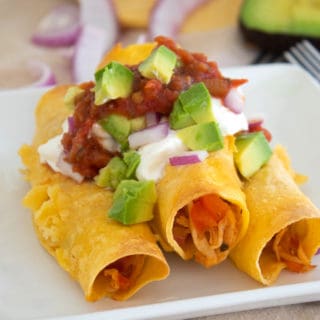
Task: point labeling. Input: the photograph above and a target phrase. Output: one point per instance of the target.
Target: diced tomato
(207, 211)
(266, 132)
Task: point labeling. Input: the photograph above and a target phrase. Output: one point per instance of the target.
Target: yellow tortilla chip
(284, 224)
(70, 219)
(208, 16)
(132, 54)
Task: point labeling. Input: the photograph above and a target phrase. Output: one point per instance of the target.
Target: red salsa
(84, 151)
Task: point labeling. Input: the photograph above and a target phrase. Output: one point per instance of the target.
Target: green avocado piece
(253, 151)
(111, 175)
(118, 127)
(71, 95)
(132, 160)
(133, 202)
(197, 102)
(137, 124)
(159, 65)
(179, 118)
(112, 82)
(202, 136)
(301, 18)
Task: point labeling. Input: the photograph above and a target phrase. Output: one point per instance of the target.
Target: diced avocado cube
(253, 151)
(71, 95)
(179, 118)
(159, 65)
(133, 202)
(202, 136)
(118, 127)
(197, 102)
(137, 124)
(112, 82)
(112, 174)
(132, 160)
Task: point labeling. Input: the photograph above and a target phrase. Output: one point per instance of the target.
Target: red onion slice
(99, 33)
(167, 16)
(189, 157)
(43, 72)
(148, 135)
(71, 125)
(234, 101)
(152, 118)
(89, 51)
(60, 27)
(318, 252)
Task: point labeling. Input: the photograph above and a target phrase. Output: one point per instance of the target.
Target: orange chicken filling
(207, 228)
(123, 273)
(288, 249)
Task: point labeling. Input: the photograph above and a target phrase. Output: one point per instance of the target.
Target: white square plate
(33, 286)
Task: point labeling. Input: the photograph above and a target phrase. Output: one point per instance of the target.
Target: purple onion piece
(60, 27)
(43, 72)
(234, 101)
(183, 160)
(148, 135)
(71, 125)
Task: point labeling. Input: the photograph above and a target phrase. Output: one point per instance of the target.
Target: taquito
(201, 209)
(71, 221)
(284, 226)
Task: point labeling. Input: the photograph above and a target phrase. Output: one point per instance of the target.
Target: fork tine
(315, 53)
(310, 53)
(294, 56)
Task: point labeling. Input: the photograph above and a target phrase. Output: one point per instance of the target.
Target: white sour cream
(229, 122)
(51, 153)
(155, 156)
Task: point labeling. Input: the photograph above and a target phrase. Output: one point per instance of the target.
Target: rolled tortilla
(201, 210)
(71, 221)
(284, 224)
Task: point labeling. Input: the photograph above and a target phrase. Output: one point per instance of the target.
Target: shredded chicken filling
(208, 227)
(287, 248)
(123, 273)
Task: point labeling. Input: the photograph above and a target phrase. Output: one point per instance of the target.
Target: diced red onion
(60, 27)
(71, 125)
(255, 123)
(66, 169)
(99, 33)
(188, 157)
(152, 118)
(43, 73)
(167, 16)
(234, 101)
(148, 135)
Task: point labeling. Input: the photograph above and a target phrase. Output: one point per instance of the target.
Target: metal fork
(305, 55)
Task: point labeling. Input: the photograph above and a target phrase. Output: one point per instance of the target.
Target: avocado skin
(276, 25)
(274, 42)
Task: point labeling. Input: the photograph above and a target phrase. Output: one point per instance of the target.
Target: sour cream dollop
(51, 153)
(229, 122)
(155, 156)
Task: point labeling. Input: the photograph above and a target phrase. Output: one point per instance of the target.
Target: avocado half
(277, 24)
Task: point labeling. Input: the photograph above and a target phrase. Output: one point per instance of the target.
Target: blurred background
(62, 41)
(209, 26)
